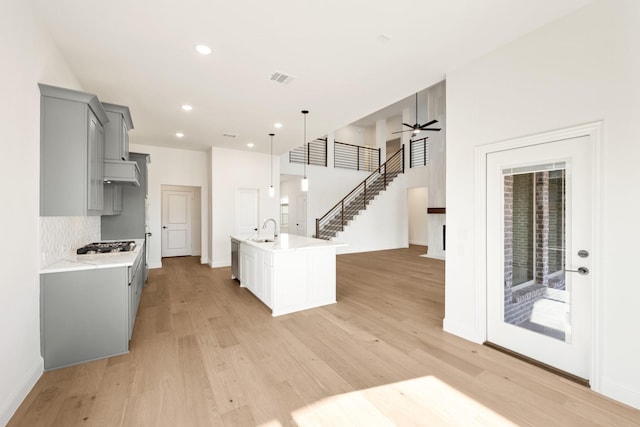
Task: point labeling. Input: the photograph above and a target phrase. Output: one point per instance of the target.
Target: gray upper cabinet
(117, 132)
(117, 166)
(71, 152)
(113, 199)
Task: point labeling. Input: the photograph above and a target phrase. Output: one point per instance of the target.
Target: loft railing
(315, 153)
(350, 156)
(419, 153)
(358, 198)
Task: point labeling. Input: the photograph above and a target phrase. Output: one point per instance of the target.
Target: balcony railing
(315, 153)
(349, 156)
(419, 153)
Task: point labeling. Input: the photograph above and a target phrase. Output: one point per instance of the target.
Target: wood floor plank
(205, 351)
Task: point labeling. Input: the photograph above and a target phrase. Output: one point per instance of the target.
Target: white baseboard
(219, 264)
(461, 331)
(620, 393)
(419, 243)
(9, 406)
(434, 256)
(203, 260)
(155, 264)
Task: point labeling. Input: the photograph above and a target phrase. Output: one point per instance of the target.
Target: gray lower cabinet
(88, 314)
(71, 152)
(136, 283)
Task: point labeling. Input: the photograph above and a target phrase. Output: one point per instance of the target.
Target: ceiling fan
(417, 127)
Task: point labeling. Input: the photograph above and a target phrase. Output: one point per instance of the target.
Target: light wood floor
(207, 352)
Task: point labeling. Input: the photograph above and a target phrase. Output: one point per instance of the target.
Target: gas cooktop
(106, 247)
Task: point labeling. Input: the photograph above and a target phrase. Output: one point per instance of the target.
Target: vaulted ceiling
(349, 59)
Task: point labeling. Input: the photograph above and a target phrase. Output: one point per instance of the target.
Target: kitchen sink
(259, 240)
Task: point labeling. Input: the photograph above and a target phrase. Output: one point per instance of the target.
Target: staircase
(359, 198)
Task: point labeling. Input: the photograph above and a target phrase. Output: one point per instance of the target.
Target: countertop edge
(304, 243)
(95, 261)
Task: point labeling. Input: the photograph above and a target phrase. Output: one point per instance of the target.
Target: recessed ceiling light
(250, 145)
(179, 134)
(277, 125)
(203, 49)
(186, 107)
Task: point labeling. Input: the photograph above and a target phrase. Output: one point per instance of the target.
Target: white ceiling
(140, 53)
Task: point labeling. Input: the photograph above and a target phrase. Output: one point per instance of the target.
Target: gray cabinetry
(112, 199)
(88, 314)
(72, 152)
(131, 223)
(136, 283)
(84, 315)
(117, 166)
(117, 132)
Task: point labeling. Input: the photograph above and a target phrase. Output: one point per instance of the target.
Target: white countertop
(93, 261)
(287, 242)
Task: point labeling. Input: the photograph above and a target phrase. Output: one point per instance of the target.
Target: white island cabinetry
(292, 274)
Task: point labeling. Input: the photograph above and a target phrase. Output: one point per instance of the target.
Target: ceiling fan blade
(408, 125)
(433, 129)
(428, 124)
(401, 131)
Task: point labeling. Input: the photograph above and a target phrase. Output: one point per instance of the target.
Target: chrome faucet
(275, 227)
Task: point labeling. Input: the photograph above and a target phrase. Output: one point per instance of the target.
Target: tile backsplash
(60, 236)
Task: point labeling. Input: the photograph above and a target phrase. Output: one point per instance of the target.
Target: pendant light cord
(271, 158)
(305, 112)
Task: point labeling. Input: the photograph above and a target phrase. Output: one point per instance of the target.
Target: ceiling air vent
(281, 78)
(229, 135)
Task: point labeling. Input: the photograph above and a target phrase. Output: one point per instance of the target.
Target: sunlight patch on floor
(420, 401)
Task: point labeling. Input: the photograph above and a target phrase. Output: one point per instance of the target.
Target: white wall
(29, 57)
(170, 166)
(579, 69)
(351, 135)
(383, 225)
(233, 169)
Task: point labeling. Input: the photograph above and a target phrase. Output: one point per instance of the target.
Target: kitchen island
(288, 274)
(88, 305)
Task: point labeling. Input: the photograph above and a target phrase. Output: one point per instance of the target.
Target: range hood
(122, 172)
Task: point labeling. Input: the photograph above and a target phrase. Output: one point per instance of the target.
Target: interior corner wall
(209, 204)
(30, 57)
(581, 68)
(171, 166)
(231, 170)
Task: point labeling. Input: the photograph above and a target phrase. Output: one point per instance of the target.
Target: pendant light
(272, 191)
(304, 184)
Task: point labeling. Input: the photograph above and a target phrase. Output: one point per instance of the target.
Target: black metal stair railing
(357, 200)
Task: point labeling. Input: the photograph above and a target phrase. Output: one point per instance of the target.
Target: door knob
(164, 226)
(581, 270)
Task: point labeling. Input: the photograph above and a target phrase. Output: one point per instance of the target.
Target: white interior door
(539, 226)
(301, 215)
(177, 209)
(246, 214)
